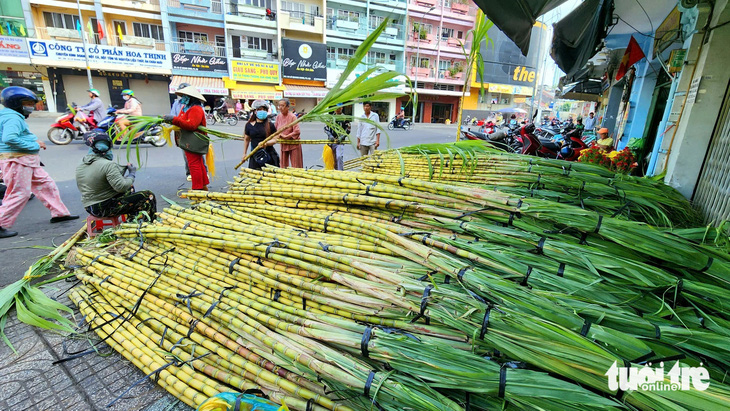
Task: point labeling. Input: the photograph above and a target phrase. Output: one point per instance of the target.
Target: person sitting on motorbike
(132, 107)
(95, 107)
(513, 121)
(401, 117)
(579, 124)
(239, 106)
(222, 107)
(105, 191)
(604, 141)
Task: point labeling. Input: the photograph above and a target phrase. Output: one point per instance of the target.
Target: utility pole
(539, 52)
(83, 39)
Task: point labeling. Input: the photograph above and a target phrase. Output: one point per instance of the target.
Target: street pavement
(28, 377)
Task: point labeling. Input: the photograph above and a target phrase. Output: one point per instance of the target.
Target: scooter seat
(550, 145)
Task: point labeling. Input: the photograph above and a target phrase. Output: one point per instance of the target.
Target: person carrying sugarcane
(176, 108)
(20, 163)
(194, 143)
(105, 191)
(337, 137)
(291, 154)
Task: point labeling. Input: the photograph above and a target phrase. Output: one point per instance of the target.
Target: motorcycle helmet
(260, 103)
(13, 98)
(94, 92)
(99, 141)
(127, 92)
(182, 86)
(566, 152)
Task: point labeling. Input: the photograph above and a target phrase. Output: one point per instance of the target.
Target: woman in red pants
(194, 143)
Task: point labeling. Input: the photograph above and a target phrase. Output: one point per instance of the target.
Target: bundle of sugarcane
(311, 142)
(398, 288)
(590, 186)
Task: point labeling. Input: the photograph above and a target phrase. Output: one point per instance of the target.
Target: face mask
(185, 100)
(27, 110)
(125, 97)
(261, 115)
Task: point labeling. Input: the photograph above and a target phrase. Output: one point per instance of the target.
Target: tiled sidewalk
(29, 381)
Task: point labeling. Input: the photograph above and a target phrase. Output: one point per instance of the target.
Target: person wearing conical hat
(195, 146)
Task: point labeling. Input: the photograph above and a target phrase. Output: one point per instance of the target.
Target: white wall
(75, 88)
(154, 95)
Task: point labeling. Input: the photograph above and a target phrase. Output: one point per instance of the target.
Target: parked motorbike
(229, 118)
(573, 145)
(70, 126)
(149, 135)
(502, 139)
(395, 123)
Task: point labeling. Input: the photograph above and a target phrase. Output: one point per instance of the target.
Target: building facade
(435, 61)
(238, 49)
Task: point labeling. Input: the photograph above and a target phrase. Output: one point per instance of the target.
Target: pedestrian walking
(368, 136)
(21, 164)
(590, 122)
(190, 141)
(176, 108)
(337, 137)
(291, 154)
(258, 129)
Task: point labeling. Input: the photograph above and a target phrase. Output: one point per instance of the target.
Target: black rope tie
(210, 309)
(512, 213)
(310, 405)
(598, 226)
(586, 327)
(621, 209)
(367, 188)
(304, 303)
(327, 220)
(275, 294)
(185, 298)
(467, 405)
(527, 275)
(400, 182)
(540, 245)
(232, 265)
(162, 339)
(561, 269)
(301, 233)
(485, 322)
(468, 213)
(580, 195)
(105, 279)
(366, 335)
(460, 274)
(424, 305)
(424, 238)
(192, 327)
(710, 260)
(324, 246)
(344, 199)
(502, 381)
(677, 291)
(271, 245)
(186, 225)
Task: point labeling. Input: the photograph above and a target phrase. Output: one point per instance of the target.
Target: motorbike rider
(579, 124)
(401, 117)
(222, 107)
(132, 107)
(95, 107)
(338, 137)
(513, 121)
(105, 191)
(20, 163)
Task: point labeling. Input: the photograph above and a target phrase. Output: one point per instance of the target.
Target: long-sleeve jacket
(189, 121)
(95, 106)
(290, 133)
(15, 136)
(99, 179)
(132, 107)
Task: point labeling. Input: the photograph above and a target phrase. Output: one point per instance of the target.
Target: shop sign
(51, 52)
(676, 60)
(257, 94)
(315, 93)
(14, 50)
(304, 60)
(254, 71)
(199, 63)
(667, 32)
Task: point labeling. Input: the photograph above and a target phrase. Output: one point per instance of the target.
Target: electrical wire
(647, 15)
(635, 29)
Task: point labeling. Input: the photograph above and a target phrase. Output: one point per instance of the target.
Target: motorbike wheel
(210, 119)
(390, 126)
(406, 126)
(158, 141)
(232, 120)
(60, 136)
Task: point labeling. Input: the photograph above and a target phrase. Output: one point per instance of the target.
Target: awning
(206, 85)
(305, 91)
(579, 36)
(255, 92)
(515, 18)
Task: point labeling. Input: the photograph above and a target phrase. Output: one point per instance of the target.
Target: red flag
(98, 28)
(631, 56)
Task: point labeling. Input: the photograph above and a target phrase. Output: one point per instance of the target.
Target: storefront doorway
(382, 109)
(441, 112)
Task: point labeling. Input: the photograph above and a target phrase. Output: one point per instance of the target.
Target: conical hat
(192, 92)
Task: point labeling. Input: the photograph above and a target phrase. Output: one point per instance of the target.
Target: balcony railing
(215, 6)
(205, 49)
(54, 33)
(446, 75)
(341, 63)
(245, 10)
(247, 53)
(393, 31)
(300, 17)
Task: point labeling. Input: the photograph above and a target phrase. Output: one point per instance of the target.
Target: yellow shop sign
(254, 71)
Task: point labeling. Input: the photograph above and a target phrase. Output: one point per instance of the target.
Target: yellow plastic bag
(210, 161)
(329, 157)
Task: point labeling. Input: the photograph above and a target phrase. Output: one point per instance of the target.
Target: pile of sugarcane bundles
(586, 185)
(343, 290)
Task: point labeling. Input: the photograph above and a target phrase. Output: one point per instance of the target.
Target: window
(425, 62)
(346, 15)
(192, 37)
(447, 87)
(345, 53)
(152, 31)
(460, 35)
(376, 57)
(258, 43)
(331, 54)
(427, 28)
(376, 21)
(220, 46)
(294, 9)
(314, 10)
(446, 33)
(257, 3)
(444, 65)
(60, 20)
(447, 4)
